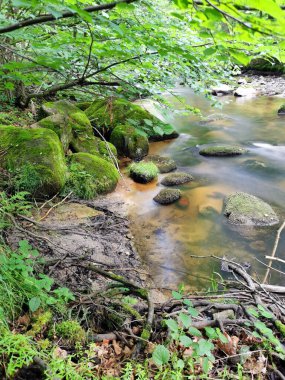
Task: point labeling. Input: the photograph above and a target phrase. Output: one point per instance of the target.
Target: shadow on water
(167, 236)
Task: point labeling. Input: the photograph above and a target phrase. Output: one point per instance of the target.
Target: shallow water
(167, 236)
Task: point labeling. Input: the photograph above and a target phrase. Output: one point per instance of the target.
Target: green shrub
(27, 179)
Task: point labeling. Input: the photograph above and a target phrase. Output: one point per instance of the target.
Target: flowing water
(168, 237)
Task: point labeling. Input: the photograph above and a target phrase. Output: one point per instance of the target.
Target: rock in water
(245, 91)
(222, 89)
(245, 209)
(167, 196)
(164, 164)
(281, 110)
(222, 151)
(143, 172)
(176, 179)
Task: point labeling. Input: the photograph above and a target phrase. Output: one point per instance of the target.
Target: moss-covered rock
(281, 110)
(60, 106)
(175, 179)
(38, 148)
(61, 125)
(167, 196)
(83, 105)
(245, 209)
(104, 174)
(164, 164)
(106, 114)
(129, 142)
(143, 172)
(107, 150)
(222, 151)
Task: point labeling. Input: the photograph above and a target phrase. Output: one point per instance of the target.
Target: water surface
(168, 236)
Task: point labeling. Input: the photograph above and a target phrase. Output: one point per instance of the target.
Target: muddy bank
(77, 232)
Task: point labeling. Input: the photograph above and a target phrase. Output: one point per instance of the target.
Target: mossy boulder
(39, 149)
(175, 179)
(245, 209)
(222, 151)
(60, 106)
(281, 110)
(83, 105)
(61, 125)
(106, 114)
(167, 196)
(104, 174)
(129, 142)
(164, 164)
(143, 172)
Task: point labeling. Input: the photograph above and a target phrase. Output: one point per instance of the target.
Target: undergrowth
(79, 182)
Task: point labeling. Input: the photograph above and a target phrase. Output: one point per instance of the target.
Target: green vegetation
(143, 172)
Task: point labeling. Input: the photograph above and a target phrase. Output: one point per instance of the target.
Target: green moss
(281, 327)
(176, 179)
(129, 142)
(105, 148)
(70, 331)
(40, 323)
(83, 105)
(104, 174)
(61, 106)
(79, 182)
(143, 172)
(281, 110)
(61, 125)
(222, 151)
(39, 148)
(242, 208)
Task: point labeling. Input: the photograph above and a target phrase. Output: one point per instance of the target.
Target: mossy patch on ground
(246, 209)
(175, 179)
(143, 172)
(281, 110)
(129, 142)
(167, 196)
(39, 148)
(164, 164)
(222, 151)
(104, 174)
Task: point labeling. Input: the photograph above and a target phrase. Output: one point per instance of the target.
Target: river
(167, 237)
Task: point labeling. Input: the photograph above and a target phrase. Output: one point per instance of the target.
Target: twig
(54, 206)
(274, 251)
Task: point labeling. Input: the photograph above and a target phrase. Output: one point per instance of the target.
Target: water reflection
(167, 237)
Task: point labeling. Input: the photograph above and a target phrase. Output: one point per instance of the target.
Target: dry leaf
(117, 348)
(256, 365)
(229, 348)
(59, 353)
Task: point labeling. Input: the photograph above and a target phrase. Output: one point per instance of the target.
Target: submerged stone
(245, 209)
(104, 174)
(164, 164)
(106, 114)
(167, 196)
(176, 179)
(129, 142)
(143, 172)
(36, 154)
(222, 89)
(245, 91)
(222, 151)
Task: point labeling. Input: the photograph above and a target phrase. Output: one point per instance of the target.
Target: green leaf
(185, 319)
(186, 341)
(34, 304)
(172, 324)
(193, 331)
(193, 312)
(176, 295)
(211, 332)
(265, 313)
(160, 355)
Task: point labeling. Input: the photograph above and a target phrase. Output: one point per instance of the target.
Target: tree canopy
(131, 47)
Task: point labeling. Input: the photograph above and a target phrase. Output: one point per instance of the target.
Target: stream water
(168, 236)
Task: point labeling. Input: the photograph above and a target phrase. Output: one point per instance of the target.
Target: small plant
(11, 206)
(27, 179)
(80, 183)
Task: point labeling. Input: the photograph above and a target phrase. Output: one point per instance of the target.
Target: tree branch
(49, 17)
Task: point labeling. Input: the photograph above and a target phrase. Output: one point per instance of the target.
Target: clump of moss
(281, 110)
(104, 174)
(176, 179)
(222, 151)
(70, 331)
(40, 323)
(38, 148)
(129, 142)
(143, 172)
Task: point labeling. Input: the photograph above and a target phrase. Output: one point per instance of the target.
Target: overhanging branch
(49, 17)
